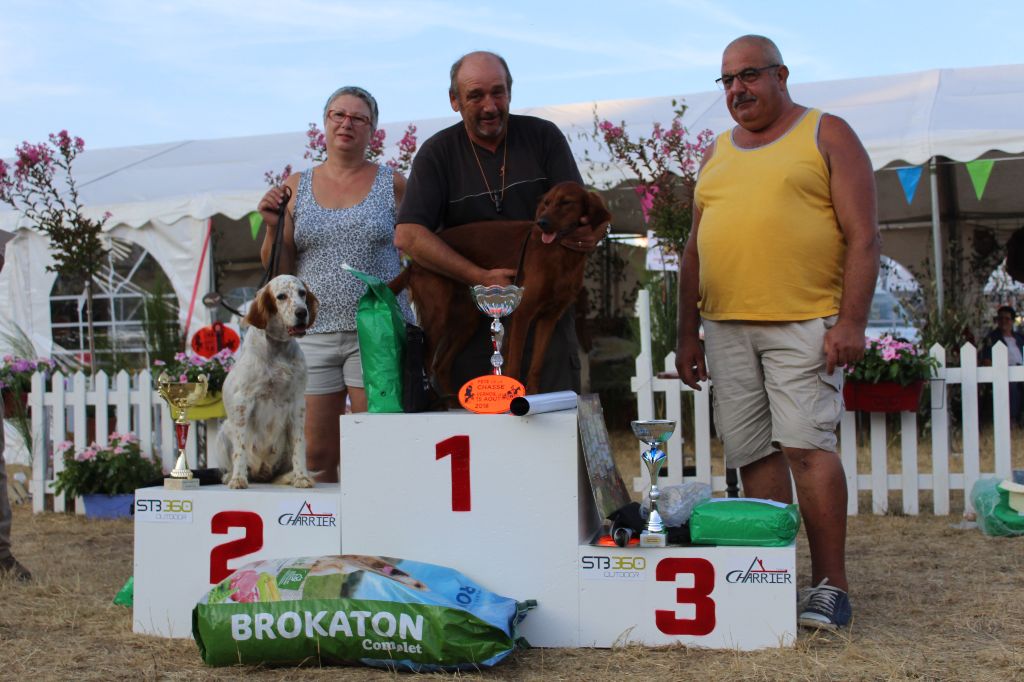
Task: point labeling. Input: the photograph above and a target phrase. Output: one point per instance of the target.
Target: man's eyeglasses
(358, 120)
(746, 76)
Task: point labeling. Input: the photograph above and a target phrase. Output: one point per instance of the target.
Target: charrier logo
(305, 516)
(757, 573)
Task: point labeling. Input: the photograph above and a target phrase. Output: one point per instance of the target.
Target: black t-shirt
(446, 187)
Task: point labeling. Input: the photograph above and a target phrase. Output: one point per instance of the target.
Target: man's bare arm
(427, 249)
(689, 352)
(856, 207)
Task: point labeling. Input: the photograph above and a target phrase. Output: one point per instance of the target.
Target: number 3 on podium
(703, 572)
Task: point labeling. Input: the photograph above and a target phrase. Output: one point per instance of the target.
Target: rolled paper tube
(543, 402)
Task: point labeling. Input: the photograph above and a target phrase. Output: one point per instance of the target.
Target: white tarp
(168, 191)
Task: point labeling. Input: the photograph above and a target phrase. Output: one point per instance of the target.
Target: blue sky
(123, 72)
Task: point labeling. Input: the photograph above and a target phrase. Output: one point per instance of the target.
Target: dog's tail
(400, 282)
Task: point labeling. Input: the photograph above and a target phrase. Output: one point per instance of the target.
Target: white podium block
(505, 500)
(716, 597)
(186, 541)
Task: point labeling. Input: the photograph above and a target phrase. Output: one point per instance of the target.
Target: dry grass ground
(930, 603)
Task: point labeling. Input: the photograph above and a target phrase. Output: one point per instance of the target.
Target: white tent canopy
(161, 195)
(957, 113)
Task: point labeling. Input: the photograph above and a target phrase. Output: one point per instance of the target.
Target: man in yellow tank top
(781, 266)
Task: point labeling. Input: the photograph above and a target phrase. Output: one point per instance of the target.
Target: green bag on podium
(744, 521)
(381, 331)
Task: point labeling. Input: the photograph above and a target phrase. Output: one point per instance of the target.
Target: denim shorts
(332, 362)
(770, 387)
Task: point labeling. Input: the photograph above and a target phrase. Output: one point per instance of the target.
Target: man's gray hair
(769, 50)
(453, 89)
(355, 91)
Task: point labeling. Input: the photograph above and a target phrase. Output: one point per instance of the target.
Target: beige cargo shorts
(770, 387)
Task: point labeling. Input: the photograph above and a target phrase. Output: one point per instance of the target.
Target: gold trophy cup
(180, 397)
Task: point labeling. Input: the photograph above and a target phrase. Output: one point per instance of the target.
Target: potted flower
(106, 477)
(889, 378)
(187, 368)
(16, 382)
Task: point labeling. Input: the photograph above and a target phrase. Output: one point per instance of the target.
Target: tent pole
(937, 236)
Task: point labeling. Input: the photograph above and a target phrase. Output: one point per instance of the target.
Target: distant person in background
(1014, 341)
(9, 566)
(342, 211)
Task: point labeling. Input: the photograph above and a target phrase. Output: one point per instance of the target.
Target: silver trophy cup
(652, 433)
(497, 302)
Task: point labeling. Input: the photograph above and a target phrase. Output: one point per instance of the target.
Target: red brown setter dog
(550, 273)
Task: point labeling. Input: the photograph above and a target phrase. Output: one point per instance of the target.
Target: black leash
(275, 250)
(522, 255)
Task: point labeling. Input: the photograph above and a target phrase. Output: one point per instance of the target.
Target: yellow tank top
(769, 242)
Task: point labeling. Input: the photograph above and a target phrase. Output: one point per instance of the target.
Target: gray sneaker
(826, 608)
(10, 566)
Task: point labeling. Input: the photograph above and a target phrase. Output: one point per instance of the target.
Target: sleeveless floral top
(326, 238)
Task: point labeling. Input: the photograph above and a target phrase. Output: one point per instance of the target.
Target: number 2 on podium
(458, 448)
(252, 541)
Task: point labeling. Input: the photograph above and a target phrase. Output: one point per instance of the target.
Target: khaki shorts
(770, 387)
(332, 362)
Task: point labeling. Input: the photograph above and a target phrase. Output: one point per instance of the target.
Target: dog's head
(560, 210)
(283, 308)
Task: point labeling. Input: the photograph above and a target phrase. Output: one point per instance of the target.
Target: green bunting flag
(255, 223)
(980, 170)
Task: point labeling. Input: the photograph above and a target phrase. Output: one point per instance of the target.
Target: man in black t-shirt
(490, 166)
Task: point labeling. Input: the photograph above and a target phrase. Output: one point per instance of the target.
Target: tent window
(129, 275)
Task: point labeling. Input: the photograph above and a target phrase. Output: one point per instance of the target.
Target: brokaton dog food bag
(354, 609)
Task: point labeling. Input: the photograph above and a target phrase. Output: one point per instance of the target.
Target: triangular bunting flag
(909, 177)
(980, 170)
(255, 223)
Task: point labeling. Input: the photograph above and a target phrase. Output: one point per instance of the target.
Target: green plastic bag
(992, 504)
(744, 521)
(126, 595)
(381, 331)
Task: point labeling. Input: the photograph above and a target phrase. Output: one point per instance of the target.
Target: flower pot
(15, 405)
(885, 396)
(210, 407)
(108, 506)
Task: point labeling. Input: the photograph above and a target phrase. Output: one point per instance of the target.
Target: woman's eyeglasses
(358, 120)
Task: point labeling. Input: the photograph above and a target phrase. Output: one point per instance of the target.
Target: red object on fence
(885, 396)
(209, 340)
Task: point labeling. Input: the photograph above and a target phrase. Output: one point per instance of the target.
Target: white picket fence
(61, 409)
(877, 479)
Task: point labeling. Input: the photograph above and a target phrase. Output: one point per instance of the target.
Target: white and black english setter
(263, 437)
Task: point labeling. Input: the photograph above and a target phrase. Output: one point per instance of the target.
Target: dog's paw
(238, 483)
(302, 480)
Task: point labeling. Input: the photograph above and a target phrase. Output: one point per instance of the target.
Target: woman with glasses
(341, 211)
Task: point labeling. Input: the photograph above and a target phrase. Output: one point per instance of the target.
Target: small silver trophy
(652, 433)
(180, 397)
(497, 302)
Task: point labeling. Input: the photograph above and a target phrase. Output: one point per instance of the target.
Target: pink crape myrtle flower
(646, 194)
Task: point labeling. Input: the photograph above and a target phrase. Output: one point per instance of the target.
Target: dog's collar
(577, 246)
